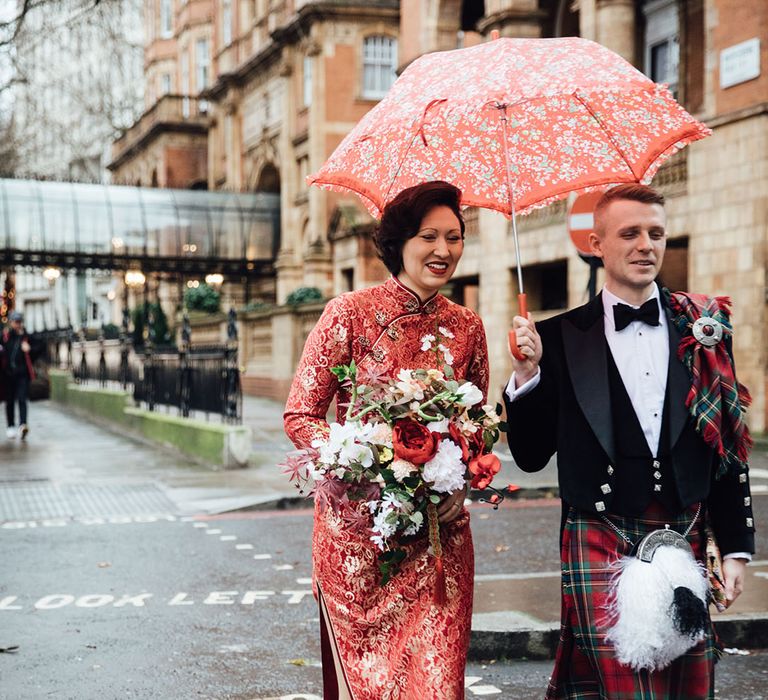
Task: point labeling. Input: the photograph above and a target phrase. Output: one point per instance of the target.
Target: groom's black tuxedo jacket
(581, 410)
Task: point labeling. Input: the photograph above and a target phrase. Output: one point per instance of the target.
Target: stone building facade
(289, 79)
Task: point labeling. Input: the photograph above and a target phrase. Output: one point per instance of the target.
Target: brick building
(281, 83)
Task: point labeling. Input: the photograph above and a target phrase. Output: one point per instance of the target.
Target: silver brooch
(378, 354)
(392, 333)
(381, 318)
(707, 331)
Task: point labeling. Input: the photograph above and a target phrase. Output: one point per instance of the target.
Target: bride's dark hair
(402, 218)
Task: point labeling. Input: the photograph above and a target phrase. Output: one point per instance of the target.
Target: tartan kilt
(585, 664)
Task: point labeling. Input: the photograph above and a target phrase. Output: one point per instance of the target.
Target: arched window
(379, 65)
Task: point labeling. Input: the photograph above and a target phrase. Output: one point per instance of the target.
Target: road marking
(262, 556)
(518, 577)
(228, 538)
(243, 546)
(761, 574)
(88, 520)
(199, 524)
(471, 681)
(214, 531)
(304, 581)
(759, 473)
(283, 567)
(56, 601)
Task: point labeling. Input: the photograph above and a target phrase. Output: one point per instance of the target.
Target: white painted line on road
(758, 488)
(214, 531)
(199, 524)
(304, 581)
(759, 473)
(471, 681)
(262, 556)
(761, 574)
(283, 567)
(86, 520)
(187, 519)
(243, 546)
(518, 577)
(56, 601)
(228, 538)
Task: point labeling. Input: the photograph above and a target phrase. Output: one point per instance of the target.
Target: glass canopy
(116, 227)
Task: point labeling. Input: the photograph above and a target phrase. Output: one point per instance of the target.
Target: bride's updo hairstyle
(402, 218)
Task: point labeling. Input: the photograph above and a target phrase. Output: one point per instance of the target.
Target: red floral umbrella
(513, 123)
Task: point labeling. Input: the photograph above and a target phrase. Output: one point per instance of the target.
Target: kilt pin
(608, 473)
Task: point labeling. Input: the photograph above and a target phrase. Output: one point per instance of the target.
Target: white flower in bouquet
(469, 394)
(438, 426)
(445, 332)
(381, 434)
(447, 355)
(426, 342)
(383, 526)
(402, 469)
(356, 453)
(492, 419)
(466, 425)
(445, 471)
(409, 387)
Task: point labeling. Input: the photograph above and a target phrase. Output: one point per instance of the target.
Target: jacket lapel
(679, 383)
(586, 358)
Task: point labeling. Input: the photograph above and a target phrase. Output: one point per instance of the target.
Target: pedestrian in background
(603, 385)
(17, 373)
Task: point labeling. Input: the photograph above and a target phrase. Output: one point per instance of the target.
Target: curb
(748, 631)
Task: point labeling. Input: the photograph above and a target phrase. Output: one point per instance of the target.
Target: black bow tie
(648, 313)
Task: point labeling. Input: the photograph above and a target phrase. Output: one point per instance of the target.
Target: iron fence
(192, 379)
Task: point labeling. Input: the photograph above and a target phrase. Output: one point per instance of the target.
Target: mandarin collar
(408, 299)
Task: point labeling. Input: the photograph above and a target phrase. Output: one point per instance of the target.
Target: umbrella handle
(523, 311)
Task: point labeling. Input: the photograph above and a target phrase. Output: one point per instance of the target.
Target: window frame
(662, 28)
(373, 90)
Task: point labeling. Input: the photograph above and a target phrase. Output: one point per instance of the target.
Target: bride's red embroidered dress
(391, 642)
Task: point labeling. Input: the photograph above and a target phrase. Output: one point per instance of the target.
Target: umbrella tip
(494, 34)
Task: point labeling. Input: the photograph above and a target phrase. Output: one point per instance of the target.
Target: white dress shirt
(641, 354)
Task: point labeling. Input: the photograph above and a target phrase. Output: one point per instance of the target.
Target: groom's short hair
(632, 191)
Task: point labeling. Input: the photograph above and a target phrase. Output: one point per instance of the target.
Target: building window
(226, 22)
(307, 92)
(303, 172)
(348, 279)
(185, 84)
(379, 65)
(662, 44)
(165, 84)
(166, 18)
(546, 285)
(202, 63)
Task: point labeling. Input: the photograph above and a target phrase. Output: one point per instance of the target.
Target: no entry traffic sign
(581, 220)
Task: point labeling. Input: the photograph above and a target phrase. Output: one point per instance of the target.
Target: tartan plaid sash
(716, 400)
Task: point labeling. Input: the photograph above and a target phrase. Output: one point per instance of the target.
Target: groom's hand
(529, 343)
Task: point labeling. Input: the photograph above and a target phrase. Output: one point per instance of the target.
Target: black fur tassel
(688, 612)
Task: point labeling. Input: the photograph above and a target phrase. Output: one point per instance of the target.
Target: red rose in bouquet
(483, 469)
(460, 440)
(413, 441)
(476, 443)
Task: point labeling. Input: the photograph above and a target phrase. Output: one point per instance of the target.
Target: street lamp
(215, 279)
(135, 279)
(51, 274)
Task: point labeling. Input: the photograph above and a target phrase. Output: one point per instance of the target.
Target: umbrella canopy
(514, 124)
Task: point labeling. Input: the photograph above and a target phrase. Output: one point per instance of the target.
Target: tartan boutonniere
(716, 400)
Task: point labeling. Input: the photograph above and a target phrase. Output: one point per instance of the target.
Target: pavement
(66, 466)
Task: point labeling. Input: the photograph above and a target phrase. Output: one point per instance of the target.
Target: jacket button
(657, 475)
(743, 478)
(747, 501)
(749, 522)
(656, 464)
(657, 487)
(605, 488)
(599, 506)
(610, 470)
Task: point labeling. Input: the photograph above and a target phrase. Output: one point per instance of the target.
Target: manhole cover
(36, 500)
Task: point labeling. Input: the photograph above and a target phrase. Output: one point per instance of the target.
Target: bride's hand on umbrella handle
(522, 309)
(525, 339)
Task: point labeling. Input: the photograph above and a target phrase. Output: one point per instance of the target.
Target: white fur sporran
(658, 602)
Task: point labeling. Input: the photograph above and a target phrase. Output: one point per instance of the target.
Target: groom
(603, 387)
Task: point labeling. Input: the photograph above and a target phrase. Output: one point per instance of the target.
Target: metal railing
(192, 379)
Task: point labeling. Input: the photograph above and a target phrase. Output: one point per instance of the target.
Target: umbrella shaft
(503, 112)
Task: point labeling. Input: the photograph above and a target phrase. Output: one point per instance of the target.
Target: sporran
(658, 599)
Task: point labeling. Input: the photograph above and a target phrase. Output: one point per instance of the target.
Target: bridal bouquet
(406, 443)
